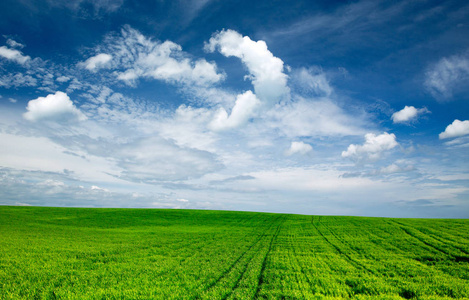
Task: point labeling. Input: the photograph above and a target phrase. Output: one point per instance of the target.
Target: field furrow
(229, 280)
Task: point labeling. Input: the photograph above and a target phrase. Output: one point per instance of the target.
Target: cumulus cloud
(136, 56)
(298, 148)
(14, 55)
(56, 107)
(372, 148)
(455, 129)
(408, 114)
(244, 108)
(266, 70)
(447, 76)
(97, 62)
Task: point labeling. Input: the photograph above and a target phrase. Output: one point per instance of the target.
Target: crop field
(84, 253)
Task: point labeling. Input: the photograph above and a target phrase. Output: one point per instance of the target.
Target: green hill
(85, 253)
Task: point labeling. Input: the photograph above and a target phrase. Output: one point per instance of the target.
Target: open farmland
(82, 253)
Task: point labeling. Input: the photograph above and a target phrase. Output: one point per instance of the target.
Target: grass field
(82, 253)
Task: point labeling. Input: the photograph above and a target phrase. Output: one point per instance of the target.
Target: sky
(310, 107)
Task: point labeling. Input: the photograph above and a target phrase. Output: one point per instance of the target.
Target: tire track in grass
(243, 272)
(300, 265)
(457, 230)
(240, 277)
(353, 262)
(434, 267)
(376, 274)
(233, 266)
(451, 256)
(432, 236)
(408, 232)
(260, 279)
(347, 258)
(294, 261)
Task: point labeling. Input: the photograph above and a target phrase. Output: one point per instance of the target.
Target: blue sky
(314, 107)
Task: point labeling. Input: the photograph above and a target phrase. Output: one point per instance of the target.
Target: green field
(82, 253)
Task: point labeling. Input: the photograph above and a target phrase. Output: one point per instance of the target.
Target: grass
(84, 253)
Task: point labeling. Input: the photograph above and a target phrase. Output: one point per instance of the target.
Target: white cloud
(154, 160)
(298, 148)
(97, 188)
(266, 70)
(394, 168)
(372, 148)
(306, 179)
(408, 114)
(136, 56)
(56, 106)
(97, 62)
(14, 44)
(244, 108)
(12, 100)
(63, 78)
(319, 117)
(41, 154)
(448, 76)
(456, 129)
(187, 128)
(312, 81)
(13, 54)
(51, 182)
(17, 80)
(96, 7)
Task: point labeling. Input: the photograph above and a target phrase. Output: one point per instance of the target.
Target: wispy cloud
(448, 76)
(131, 56)
(346, 21)
(14, 44)
(315, 117)
(14, 55)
